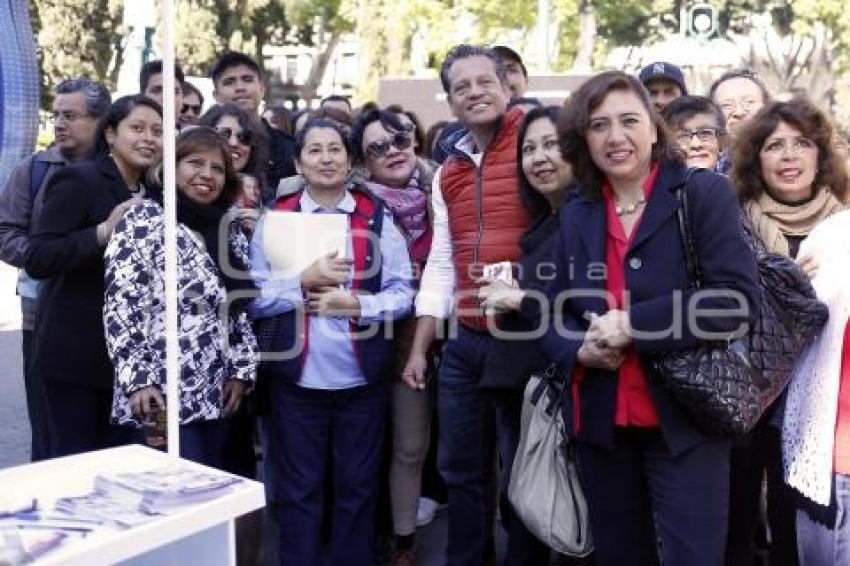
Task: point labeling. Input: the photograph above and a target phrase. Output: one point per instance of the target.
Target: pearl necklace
(630, 209)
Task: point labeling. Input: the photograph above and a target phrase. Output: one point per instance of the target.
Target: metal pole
(543, 22)
(172, 352)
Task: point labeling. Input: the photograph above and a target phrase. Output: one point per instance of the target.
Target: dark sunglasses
(195, 108)
(400, 141)
(244, 137)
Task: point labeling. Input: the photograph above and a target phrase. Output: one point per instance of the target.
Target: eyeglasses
(68, 116)
(244, 137)
(194, 108)
(400, 141)
(746, 104)
(685, 135)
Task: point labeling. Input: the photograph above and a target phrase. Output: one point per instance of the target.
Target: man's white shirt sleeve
(436, 290)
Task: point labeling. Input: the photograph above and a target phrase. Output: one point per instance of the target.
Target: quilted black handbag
(726, 387)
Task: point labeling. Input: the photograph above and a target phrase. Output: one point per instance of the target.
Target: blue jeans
(471, 427)
(823, 534)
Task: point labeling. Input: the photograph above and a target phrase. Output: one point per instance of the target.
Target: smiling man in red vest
(478, 221)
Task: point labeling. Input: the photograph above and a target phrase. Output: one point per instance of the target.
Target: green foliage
(75, 38)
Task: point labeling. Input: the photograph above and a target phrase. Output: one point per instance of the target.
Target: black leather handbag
(726, 387)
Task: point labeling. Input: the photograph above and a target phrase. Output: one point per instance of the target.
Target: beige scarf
(773, 221)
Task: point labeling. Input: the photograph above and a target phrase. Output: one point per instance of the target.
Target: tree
(76, 38)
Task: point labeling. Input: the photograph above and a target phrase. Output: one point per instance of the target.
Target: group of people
(579, 202)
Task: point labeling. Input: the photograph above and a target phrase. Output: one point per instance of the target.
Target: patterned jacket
(211, 350)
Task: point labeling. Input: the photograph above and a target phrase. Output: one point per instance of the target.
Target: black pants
(79, 420)
(640, 484)
(754, 457)
(36, 404)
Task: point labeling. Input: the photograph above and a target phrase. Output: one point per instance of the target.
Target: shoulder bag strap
(686, 231)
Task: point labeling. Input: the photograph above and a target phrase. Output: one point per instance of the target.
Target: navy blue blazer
(654, 270)
(69, 338)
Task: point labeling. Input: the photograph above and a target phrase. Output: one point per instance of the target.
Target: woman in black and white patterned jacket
(217, 346)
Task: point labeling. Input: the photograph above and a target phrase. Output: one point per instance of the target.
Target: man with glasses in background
(193, 104)
(77, 108)
(739, 93)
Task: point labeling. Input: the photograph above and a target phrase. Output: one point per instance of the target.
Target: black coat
(69, 341)
(654, 271)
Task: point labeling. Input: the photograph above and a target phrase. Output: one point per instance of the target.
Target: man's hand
(414, 371)
(327, 271)
(332, 301)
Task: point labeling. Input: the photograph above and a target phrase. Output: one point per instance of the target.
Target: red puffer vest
(486, 217)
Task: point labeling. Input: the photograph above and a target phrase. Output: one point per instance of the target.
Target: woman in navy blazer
(82, 204)
(620, 292)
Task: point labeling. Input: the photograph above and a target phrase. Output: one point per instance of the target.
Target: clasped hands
(606, 340)
(322, 285)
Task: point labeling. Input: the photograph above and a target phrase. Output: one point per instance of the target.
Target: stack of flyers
(104, 507)
(166, 488)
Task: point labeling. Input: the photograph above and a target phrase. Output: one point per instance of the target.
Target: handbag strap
(685, 229)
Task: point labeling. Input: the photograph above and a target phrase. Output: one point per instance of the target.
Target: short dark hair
(97, 95)
(506, 53)
(152, 68)
(742, 73)
(316, 123)
(340, 117)
(465, 50)
(256, 165)
(687, 106)
(230, 59)
(336, 98)
(189, 88)
(573, 122)
(802, 115)
(534, 202)
(389, 120)
(118, 112)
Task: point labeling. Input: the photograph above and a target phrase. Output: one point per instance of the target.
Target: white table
(202, 533)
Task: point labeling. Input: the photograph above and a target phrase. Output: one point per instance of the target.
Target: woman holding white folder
(329, 391)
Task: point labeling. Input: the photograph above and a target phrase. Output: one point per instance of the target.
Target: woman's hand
(498, 296)
(332, 301)
(592, 355)
(105, 228)
(234, 389)
(611, 330)
(327, 271)
(146, 401)
(809, 264)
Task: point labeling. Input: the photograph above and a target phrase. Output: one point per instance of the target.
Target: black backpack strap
(38, 171)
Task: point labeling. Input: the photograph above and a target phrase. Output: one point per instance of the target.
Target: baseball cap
(663, 70)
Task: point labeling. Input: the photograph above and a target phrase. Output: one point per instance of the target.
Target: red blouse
(842, 424)
(634, 404)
